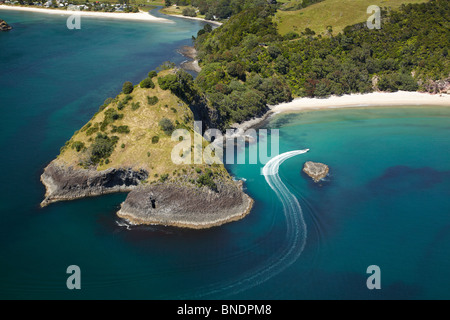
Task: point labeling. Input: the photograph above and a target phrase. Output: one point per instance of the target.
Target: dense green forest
(247, 64)
(221, 9)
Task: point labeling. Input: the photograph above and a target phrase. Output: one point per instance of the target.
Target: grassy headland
(127, 147)
(133, 130)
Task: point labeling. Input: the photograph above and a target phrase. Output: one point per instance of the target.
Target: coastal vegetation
(211, 9)
(147, 83)
(248, 64)
(128, 87)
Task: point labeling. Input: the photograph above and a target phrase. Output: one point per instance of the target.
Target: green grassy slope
(135, 147)
(335, 13)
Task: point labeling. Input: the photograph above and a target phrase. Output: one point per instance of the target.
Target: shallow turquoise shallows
(385, 203)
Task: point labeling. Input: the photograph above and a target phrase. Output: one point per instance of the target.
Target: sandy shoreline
(374, 99)
(140, 16)
(368, 100)
(194, 18)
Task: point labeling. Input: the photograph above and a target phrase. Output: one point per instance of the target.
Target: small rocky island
(4, 26)
(317, 171)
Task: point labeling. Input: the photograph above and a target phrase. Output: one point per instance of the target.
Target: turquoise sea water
(386, 201)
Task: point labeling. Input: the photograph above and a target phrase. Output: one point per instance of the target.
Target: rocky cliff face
(316, 171)
(4, 26)
(438, 86)
(66, 183)
(174, 204)
(186, 205)
(202, 112)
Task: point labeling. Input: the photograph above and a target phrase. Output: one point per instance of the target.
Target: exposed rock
(375, 80)
(209, 116)
(438, 86)
(186, 205)
(181, 205)
(66, 183)
(189, 52)
(316, 171)
(4, 26)
(192, 64)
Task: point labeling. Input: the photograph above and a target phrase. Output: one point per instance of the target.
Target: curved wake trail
(296, 233)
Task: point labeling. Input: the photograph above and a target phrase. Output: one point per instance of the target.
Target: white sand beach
(369, 100)
(401, 98)
(140, 16)
(195, 18)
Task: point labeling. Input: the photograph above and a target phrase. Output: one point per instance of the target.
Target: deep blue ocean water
(386, 201)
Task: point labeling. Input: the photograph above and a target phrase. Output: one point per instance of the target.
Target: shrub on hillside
(152, 74)
(147, 83)
(152, 100)
(127, 87)
(189, 12)
(167, 126)
(102, 147)
(78, 145)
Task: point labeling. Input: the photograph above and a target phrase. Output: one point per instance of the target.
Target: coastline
(133, 220)
(140, 16)
(374, 99)
(192, 63)
(193, 18)
(186, 206)
(367, 100)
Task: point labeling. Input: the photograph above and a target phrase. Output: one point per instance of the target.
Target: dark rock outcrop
(66, 183)
(209, 117)
(192, 63)
(186, 205)
(438, 86)
(317, 171)
(4, 26)
(181, 205)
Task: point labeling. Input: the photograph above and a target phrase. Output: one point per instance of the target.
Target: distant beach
(140, 16)
(194, 18)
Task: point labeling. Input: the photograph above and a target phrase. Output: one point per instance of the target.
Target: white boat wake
(296, 233)
(296, 230)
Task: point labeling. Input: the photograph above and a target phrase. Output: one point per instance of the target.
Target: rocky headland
(64, 183)
(186, 205)
(127, 147)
